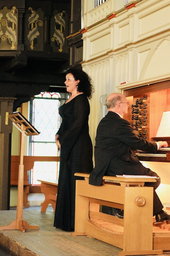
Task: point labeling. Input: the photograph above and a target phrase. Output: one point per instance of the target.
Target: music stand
(25, 128)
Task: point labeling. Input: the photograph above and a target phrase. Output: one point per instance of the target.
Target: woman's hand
(57, 141)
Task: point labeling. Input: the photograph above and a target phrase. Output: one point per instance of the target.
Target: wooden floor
(48, 241)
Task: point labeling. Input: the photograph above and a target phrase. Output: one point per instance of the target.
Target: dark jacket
(115, 149)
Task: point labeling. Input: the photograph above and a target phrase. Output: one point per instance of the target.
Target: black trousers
(157, 205)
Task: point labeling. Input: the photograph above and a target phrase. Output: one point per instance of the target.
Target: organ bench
(136, 233)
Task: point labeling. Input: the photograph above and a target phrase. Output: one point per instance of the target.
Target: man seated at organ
(115, 148)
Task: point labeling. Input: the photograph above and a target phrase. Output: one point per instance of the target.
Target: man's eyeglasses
(126, 102)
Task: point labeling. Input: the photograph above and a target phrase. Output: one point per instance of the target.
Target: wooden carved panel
(58, 31)
(34, 36)
(8, 28)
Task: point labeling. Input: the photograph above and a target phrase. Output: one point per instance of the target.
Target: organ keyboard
(163, 155)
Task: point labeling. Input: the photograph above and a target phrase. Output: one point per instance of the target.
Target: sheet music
(137, 176)
(150, 155)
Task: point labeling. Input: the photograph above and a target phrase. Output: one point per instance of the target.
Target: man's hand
(162, 144)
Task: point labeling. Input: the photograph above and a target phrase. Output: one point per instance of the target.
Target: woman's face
(71, 83)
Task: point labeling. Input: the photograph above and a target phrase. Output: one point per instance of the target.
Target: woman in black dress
(75, 145)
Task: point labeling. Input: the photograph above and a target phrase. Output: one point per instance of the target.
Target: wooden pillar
(6, 107)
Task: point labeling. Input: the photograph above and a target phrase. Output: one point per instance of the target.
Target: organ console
(140, 117)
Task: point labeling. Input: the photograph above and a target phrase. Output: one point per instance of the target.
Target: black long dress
(75, 156)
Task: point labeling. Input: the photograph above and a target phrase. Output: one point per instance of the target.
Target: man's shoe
(118, 213)
(162, 216)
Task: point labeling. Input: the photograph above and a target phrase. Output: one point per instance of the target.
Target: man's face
(124, 104)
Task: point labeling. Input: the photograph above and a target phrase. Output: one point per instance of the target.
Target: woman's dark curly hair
(84, 85)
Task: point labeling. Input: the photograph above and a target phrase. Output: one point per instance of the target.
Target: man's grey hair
(113, 101)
